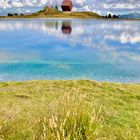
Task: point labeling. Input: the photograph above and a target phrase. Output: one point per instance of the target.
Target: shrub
(10, 14)
(15, 14)
(115, 16)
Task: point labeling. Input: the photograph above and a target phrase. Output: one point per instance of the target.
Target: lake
(102, 50)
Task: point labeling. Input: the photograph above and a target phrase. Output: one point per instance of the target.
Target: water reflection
(66, 27)
(66, 49)
(51, 25)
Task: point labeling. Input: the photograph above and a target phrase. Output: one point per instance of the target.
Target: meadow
(69, 110)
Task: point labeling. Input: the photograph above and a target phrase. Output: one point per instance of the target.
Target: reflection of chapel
(67, 5)
(66, 27)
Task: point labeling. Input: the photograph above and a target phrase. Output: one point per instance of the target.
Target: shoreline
(70, 80)
(92, 18)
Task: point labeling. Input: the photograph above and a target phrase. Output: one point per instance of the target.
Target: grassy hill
(53, 13)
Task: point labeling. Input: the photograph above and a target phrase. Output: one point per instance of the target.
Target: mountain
(131, 15)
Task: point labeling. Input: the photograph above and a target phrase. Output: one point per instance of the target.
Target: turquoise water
(69, 49)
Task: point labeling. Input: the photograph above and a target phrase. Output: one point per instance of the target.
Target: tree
(15, 14)
(109, 16)
(9, 14)
(115, 16)
(56, 8)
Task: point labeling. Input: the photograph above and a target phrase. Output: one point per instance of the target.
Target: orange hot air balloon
(67, 5)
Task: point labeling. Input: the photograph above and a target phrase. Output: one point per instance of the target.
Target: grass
(53, 13)
(69, 110)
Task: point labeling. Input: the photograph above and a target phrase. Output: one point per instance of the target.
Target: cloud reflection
(89, 33)
(122, 31)
(62, 43)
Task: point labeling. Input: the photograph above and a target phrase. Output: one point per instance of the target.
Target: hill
(54, 13)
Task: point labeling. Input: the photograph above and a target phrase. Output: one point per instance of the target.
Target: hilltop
(48, 12)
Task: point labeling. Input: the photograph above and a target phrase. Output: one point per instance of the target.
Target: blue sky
(99, 6)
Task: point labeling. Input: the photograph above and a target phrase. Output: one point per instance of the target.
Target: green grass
(69, 110)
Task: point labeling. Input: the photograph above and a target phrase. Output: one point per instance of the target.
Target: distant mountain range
(131, 15)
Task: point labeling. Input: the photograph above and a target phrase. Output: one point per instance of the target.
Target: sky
(99, 6)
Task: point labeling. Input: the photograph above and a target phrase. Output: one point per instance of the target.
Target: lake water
(102, 50)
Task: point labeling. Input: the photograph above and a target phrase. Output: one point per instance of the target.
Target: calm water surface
(69, 49)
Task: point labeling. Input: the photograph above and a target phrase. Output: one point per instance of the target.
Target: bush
(115, 16)
(15, 14)
(9, 14)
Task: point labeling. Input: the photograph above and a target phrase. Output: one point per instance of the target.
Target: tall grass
(72, 118)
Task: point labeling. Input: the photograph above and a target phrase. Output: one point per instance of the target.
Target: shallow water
(70, 49)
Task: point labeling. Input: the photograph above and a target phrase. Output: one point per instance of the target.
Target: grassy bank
(68, 110)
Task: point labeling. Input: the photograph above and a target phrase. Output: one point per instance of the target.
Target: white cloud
(121, 6)
(87, 5)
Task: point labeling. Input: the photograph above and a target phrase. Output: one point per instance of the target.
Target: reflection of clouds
(120, 25)
(31, 25)
(123, 57)
(125, 37)
(101, 36)
(9, 56)
(125, 32)
(78, 30)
